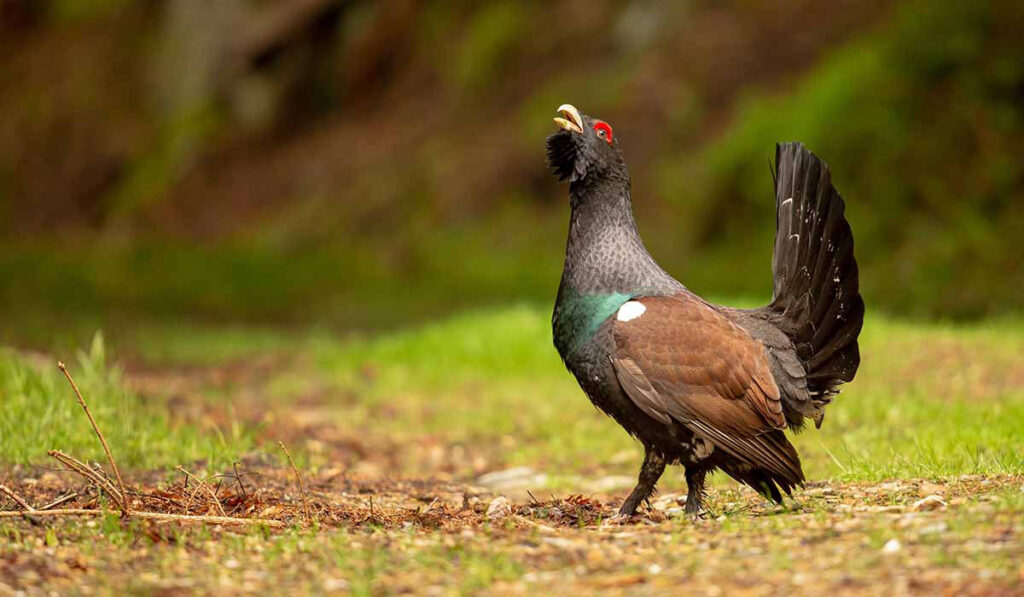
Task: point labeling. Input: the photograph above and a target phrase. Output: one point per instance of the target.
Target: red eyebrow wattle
(604, 126)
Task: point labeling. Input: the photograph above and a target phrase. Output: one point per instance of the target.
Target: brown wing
(682, 360)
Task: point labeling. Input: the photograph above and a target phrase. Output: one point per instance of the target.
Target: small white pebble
(335, 584)
(932, 502)
(654, 569)
(892, 546)
(499, 508)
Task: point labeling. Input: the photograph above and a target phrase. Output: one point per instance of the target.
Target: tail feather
(764, 484)
(816, 299)
(764, 481)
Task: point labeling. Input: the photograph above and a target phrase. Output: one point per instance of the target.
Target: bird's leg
(694, 490)
(650, 472)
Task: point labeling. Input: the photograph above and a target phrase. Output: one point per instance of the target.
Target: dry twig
(150, 515)
(60, 500)
(79, 467)
(110, 457)
(298, 478)
(153, 496)
(241, 485)
(191, 496)
(17, 498)
(203, 484)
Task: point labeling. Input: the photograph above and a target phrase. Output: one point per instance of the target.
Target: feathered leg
(694, 490)
(650, 472)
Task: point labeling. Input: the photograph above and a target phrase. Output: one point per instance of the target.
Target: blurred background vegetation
(364, 164)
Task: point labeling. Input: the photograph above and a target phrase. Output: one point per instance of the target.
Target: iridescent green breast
(578, 317)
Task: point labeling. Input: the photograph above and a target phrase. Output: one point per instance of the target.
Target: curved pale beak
(572, 120)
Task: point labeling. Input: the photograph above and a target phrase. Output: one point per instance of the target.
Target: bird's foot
(627, 512)
(630, 506)
(694, 510)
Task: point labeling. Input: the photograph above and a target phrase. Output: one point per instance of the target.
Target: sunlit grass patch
(38, 412)
(930, 400)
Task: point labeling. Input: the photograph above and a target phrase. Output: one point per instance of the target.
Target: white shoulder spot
(630, 310)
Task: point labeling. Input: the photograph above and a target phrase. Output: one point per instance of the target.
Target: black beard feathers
(562, 154)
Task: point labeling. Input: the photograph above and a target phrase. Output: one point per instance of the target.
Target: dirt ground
(383, 516)
(906, 537)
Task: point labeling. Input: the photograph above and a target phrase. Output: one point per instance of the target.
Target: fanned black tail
(816, 300)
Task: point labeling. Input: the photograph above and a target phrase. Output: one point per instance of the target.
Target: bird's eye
(604, 131)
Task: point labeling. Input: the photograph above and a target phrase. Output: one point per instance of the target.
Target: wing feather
(683, 361)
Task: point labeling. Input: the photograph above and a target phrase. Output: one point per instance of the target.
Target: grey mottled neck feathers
(604, 253)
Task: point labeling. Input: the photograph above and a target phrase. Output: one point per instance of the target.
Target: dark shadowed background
(367, 164)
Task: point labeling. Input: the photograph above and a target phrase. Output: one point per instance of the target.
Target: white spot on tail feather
(630, 310)
(790, 200)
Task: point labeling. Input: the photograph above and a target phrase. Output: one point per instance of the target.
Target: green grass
(40, 413)
(930, 400)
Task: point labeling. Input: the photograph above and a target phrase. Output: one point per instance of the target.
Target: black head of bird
(585, 148)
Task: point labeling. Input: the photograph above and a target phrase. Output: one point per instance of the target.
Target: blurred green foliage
(69, 10)
(422, 189)
(85, 286)
(923, 123)
(492, 33)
